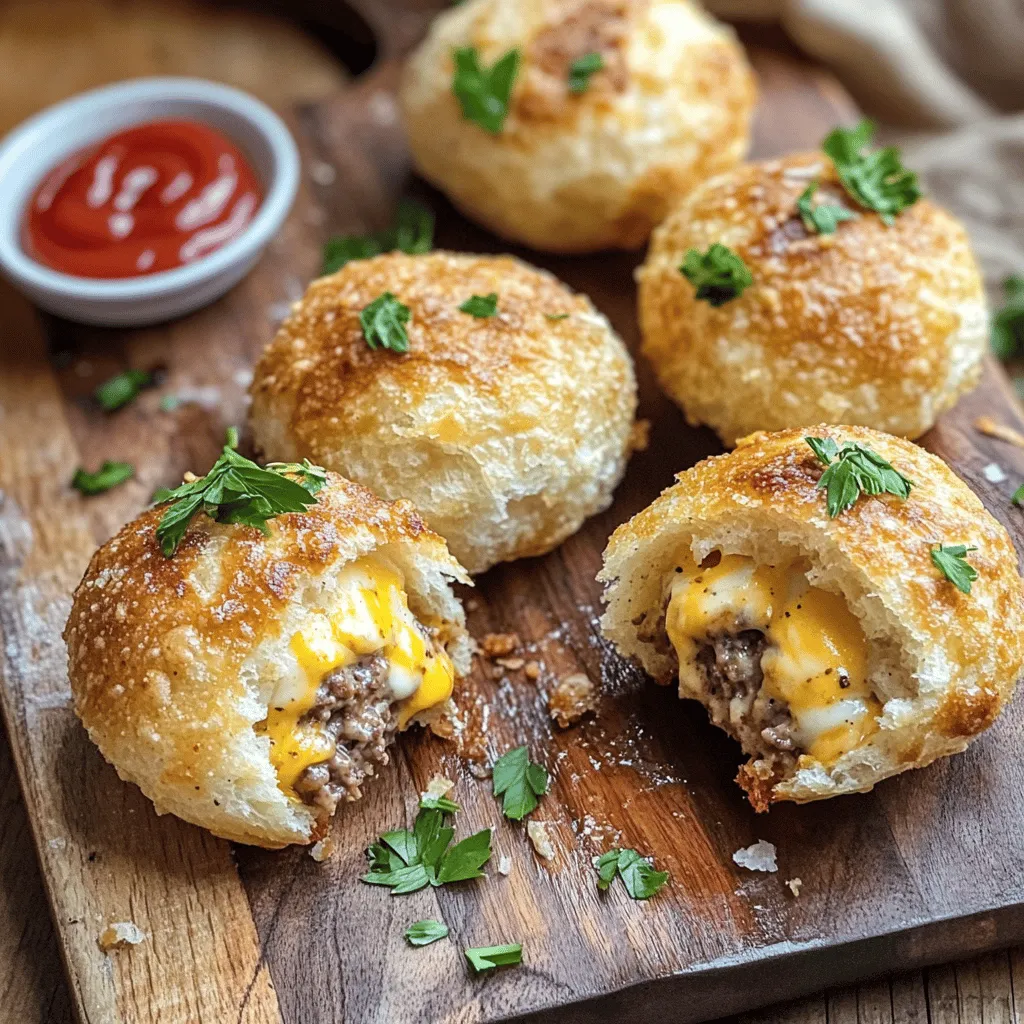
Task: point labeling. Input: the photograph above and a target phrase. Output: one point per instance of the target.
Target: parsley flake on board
(423, 933)
(383, 322)
(875, 180)
(637, 874)
(236, 490)
(853, 470)
(110, 474)
(824, 218)
(951, 561)
(481, 306)
(412, 232)
(1007, 338)
(519, 783)
(484, 93)
(483, 958)
(581, 69)
(718, 274)
(407, 861)
(117, 392)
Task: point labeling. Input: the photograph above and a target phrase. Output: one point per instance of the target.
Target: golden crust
(156, 646)
(506, 431)
(580, 172)
(876, 325)
(944, 662)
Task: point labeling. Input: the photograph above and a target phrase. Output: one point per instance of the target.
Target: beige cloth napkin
(944, 77)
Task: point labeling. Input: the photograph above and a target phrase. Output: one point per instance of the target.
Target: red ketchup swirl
(150, 198)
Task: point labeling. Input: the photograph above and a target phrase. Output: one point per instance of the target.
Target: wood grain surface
(887, 876)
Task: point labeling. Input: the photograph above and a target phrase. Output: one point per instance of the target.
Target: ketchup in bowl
(150, 198)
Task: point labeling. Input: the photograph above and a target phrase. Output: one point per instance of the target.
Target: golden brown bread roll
(834, 649)
(505, 431)
(878, 325)
(580, 171)
(249, 684)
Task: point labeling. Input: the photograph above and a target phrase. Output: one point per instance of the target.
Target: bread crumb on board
(504, 864)
(758, 857)
(120, 934)
(639, 436)
(322, 849)
(499, 645)
(571, 699)
(541, 839)
(994, 473)
(439, 785)
(795, 885)
(989, 426)
(532, 670)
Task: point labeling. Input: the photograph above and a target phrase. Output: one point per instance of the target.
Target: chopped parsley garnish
(236, 490)
(110, 474)
(406, 861)
(875, 180)
(1018, 496)
(718, 274)
(484, 93)
(383, 322)
(637, 874)
(824, 218)
(519, 783)
(483, 958)
(481, 306)
(581, 69)
(412, 233)
(423, 933)
(853, 470)
(434, 802)
(951, 561)
(120, 390)
(1008, 322)
(557, 316)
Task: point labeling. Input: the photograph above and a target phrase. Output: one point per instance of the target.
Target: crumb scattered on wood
(439, 785)
(504, 864)
(571, 699)
(989, 426)
(322, 849)
(471, 604)
(794, 885)
(758, 857)
(639, 436)
(994, 473)
(541, 839)
(499, 645)
(445, 724)
(532, 670)
(512, 664)
(120, 934)
(479, 770)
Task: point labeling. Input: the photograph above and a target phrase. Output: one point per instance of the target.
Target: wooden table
(31, 975)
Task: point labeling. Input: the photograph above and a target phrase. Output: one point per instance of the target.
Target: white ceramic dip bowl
(39, 144)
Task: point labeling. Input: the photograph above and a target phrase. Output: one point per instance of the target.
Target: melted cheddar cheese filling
(370, 616)
(815, 661)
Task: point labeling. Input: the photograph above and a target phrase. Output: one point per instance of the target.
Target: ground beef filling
(731, 663)
(355, 708)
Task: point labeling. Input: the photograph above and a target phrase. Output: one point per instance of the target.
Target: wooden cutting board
(927, 868)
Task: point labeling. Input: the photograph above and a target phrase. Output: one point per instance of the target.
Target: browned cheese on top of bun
(924, 667)
(505, 431)
(173, 661)
(581, 171)
(875, 324)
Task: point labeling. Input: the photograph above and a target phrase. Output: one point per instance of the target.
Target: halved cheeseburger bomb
(815, 288)
(251, 683)
(482, 389)
(572, 125)
(846, 608)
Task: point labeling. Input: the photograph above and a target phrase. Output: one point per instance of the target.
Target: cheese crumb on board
(758, 857)
(120, 934)
(994, 473)
(795, 885)
(541, 839)
(571, 699)
(505, 864)
(322, 849)
(439, 785)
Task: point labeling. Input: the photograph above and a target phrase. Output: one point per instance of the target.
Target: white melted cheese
(816, 659)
